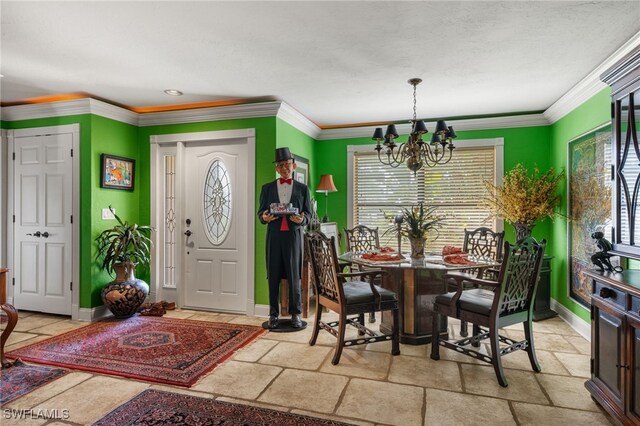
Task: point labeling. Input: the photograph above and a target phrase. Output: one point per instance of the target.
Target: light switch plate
(107, 215)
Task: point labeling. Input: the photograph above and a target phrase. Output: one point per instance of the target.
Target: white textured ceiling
(335, 62)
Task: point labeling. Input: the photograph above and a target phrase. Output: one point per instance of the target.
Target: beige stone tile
(568, 392)
(36, 321)
(307, 390)
(255, 350)
(180, 314)
(546, 341)
(334, 418)
(238, 380)
(554, 325)
(59, 327)
(303, 336)
(580, 343)
(370, 365)
(577, 364)
(453, 409)
(50, 390)
(519, 360)
(34, 339)
(93, 398)
(182, 391)
(252, 403)
(482, 380)
(17, 337)
(451, 355)
(296, 355)
(425, 372)
(531, 414)
(413, 350)
(248, 321)
(396, 404)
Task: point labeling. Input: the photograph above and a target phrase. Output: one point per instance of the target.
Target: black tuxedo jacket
(284, 249)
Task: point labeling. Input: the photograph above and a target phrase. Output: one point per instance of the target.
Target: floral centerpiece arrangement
(416, 223)
(524, 199)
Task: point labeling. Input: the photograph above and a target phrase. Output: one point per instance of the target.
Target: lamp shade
(326, 184)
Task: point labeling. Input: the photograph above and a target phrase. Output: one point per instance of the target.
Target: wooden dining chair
(361, 238)
(511, 302)
(355, 297)
(485, 243)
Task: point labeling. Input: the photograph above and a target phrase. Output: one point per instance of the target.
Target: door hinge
(71, 286)
(71, 218)
(72, 152)
(13, 282)
(14, 218)
(612, 172)
(14, 156)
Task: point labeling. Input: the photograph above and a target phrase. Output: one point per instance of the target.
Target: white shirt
(284, 191)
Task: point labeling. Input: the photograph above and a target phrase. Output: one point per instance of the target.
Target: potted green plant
(524, 199)
(416, 223)
(120, 249)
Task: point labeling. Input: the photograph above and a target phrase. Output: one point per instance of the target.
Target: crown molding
(290, 115)
(66, 108)
(229, 112)
(590, 85)
(528, 120)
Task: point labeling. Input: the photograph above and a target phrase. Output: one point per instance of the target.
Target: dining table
(416, 283)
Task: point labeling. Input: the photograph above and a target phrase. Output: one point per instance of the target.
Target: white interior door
(215, 252)
(42, 252)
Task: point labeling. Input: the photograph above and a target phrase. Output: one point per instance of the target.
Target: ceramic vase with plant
(417, 223)
(523, 199)
(120, 249)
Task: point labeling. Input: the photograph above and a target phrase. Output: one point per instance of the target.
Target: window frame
(496, 143)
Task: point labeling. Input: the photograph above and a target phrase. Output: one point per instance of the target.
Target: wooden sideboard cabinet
(615, 343)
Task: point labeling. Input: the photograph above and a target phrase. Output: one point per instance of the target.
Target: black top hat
(283, 154)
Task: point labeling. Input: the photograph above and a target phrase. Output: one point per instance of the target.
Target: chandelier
(415, 151)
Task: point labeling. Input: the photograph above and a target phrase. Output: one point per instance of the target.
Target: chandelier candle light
(326, 185)
(415, 151)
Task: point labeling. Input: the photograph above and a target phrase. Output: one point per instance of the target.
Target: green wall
(591, 114)
(527, 145)
(544, 146)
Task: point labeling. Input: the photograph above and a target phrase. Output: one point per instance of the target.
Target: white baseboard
(93, 314)
(261, 310)
(577, 323)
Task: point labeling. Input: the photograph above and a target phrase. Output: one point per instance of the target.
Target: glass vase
(417, 247)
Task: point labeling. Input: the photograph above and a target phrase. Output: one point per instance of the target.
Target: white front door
(42, 229)
(216, 188)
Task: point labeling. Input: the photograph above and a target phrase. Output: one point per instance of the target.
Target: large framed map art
(589, 205)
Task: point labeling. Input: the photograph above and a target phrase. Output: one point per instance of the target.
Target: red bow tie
(287, 181)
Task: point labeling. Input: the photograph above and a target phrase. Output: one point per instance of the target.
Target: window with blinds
(455, 188)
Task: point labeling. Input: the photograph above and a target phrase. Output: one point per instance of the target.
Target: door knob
(188, 233)
(45, 234)
(36, 234)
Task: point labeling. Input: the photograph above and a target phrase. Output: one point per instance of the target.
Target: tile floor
(369, 386)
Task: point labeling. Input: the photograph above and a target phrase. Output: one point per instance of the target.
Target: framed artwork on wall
(117, 172)
(301, 174)
(588, 206)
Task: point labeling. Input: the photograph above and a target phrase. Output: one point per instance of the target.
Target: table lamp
(326, 185)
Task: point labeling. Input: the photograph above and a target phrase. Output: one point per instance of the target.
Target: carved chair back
(322, 252)
(484, 242)
(362, 238)
(519, 276)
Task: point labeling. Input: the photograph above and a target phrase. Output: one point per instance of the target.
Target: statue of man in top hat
(285, 236)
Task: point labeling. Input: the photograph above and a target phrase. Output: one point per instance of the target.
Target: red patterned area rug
(156, 349)
(23, 378)
(153, 407)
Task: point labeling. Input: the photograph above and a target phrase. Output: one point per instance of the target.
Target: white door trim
(179, 140)
(75, 209)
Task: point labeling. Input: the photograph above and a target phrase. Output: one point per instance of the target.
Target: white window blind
(455, 188)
